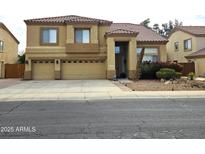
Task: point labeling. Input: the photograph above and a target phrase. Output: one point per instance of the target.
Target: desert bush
(166, 73)
(178, 75)
(149, 69)
(191, 75)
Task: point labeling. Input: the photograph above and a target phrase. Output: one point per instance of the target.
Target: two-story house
(187, 43)
(8, 48)
(75, 47)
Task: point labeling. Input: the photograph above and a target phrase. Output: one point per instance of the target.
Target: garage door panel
(43, 71)
(83, 71)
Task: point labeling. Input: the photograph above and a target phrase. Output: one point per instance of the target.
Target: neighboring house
(8, 48)
(187, 43)
(74, 47)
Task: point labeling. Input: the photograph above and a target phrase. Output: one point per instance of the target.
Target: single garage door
(83, 70)
(43, 70)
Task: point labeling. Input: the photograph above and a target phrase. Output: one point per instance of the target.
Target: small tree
(21, 59)
(156, 28)
(139, 64)
(146, 23)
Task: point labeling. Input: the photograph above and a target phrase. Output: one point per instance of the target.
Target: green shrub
(178, 75)
(21, 59)
(149, 69)
(177, 67)
(166, 73)
(191, 75)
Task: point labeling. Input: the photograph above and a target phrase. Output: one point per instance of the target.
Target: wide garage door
(83, 70)
(43, 70)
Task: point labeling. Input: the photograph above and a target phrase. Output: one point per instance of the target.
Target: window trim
(1, 51)
(41, 36)
(175, 46)
(191, 45)
(82, 29)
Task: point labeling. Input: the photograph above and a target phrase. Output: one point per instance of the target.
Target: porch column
(132, 58)
(28, 73)
(57, 69)
(111, 72)
(163, 53)
(2, 69)
(196, 68)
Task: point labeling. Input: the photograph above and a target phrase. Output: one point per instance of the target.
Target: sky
(13, 12)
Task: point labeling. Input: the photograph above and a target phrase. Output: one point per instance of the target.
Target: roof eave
(121, 35)
(195, 56)
(152, 41)
(182, 30)
(6, 29)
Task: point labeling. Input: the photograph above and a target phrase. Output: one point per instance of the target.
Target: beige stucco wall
(33, 35)
(2, 70)
(132, 55)
(10, 51)
(93, 32)
(110, 54)
(66, 35)
(200, 66)
(200, 43)
(179, 55)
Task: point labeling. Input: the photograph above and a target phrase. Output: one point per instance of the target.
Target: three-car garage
(69, 69)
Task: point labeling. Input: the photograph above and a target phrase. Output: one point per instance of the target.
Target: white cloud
(12, 13)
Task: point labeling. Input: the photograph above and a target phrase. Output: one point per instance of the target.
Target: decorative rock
(198, 84)
(162, 80)
(167, 82)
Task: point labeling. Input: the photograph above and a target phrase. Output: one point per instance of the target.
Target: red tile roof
(145, 34)
(199, 53)
(193, 30)
(121, 31)
(67, 19)
(6, 29)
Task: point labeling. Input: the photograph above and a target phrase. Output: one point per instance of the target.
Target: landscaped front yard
(157, 85)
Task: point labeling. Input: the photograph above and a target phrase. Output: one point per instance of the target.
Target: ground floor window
(1, 46)
(150, 54)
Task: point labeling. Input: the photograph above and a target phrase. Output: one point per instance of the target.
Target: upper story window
(49, 36)
(176, 46)
(1, 46)
(187, 44)
(82, 35)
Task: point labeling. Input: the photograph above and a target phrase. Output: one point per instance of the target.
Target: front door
(121, 50)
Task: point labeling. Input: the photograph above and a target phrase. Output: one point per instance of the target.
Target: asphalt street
(126, 118)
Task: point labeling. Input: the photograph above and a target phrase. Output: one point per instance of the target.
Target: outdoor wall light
(26, 61)
(56, 61)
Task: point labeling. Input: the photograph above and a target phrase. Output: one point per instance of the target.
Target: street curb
(103, 98)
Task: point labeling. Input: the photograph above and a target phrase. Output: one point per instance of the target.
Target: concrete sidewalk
(100, 95)
(83, 90)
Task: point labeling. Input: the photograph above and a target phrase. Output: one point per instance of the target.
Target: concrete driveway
(62, 89)
(4, 83)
